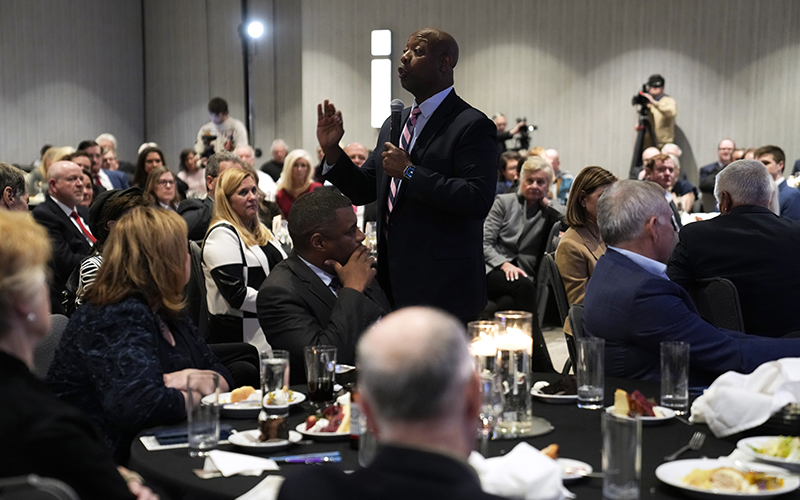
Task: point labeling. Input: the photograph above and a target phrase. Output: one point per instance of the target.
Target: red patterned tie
(75, 216)
(405, 142)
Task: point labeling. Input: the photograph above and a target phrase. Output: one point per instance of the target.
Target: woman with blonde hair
(238, 254)
(126, 354)
(36, 179)
(296, 180)
(161, 190)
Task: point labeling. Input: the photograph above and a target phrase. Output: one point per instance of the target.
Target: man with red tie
(433, 191)
(67, 224)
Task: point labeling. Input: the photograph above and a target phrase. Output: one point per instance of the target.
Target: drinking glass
(513, 365)
(675, 376)
(320, 373)
(202, 418)
(371, 237)
(622, 457)
(590, 372)
(272, 420)
(491, 408)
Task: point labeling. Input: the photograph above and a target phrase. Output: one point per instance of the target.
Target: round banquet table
(577, 432)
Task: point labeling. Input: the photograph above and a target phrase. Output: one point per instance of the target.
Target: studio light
(255, 29)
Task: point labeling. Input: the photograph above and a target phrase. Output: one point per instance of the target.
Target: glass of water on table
(320, 363)
(202, 418)
(590, 372)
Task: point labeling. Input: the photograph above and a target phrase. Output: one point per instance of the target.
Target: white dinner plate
(668, 414)
(249, 440)
(745, 445)
(250, 407)
(572, 470)
(673, 473)
(322, 436)
(536, 390)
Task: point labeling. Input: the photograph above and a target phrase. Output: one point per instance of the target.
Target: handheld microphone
(394, 132)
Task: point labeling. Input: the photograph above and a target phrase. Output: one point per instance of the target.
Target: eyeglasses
(166, 182)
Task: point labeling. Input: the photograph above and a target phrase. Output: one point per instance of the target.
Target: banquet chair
(543, 275)
(717, 300)
(46, 348)
(576, 323)
(196, 304)
(562, 303)
(33, 487)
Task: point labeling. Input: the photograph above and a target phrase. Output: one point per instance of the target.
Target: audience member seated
(358, 154)
(126, 353)
(238, 253)
(109, 143)
(81, 158)
(12, 182)
(66, 223)
(788, 197)
(109, 179)
(295, 180)
(683, 192)
(192, 175)
(660, 170)
(160, 191)
(198, 213)
(709, 172)
(263, 179)
(37, 178)
(325, 293)
(422, 397)
(562, 180)
(274, 167)
(515, 236)
(507, 171)
(749, 245)
(151, 157)
(88, 191)
(40, 434)
(581, 245)
(632, 304)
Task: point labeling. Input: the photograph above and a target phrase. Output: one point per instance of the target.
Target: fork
(698, 438)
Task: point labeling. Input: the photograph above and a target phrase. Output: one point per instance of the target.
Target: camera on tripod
(639, 99)
(208, 146)
(524, 140)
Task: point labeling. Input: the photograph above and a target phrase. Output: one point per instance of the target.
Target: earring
(31, 317)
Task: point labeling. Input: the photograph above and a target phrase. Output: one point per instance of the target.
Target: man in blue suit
(109, 179)
(632, 304)
(788, 197)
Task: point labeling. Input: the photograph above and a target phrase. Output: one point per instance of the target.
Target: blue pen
(305, 456)
(314, 460)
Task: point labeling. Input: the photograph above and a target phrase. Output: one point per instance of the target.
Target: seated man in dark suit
(324, 293)
(67, 224)
(749, 245)
(632, 304)
(710, 171)
(197, 213)
(108, 179)
(788, 197)
(421, 394)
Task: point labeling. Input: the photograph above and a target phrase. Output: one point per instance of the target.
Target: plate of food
(635, 405)
(783, 451)
(245, 402)
(719, 478)
(572, 470)
(251, 440)
(563, 391)
(332, 424)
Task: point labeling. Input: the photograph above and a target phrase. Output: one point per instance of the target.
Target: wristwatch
(409, 172)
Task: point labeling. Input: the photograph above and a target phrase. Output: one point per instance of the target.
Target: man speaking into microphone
(433, 189)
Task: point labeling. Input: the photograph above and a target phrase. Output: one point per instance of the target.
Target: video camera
(639, 99)
(524, 140)
(208, 145)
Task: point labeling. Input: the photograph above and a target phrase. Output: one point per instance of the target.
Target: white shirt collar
(646, 263)
(430, 104)
(780, 180)
(65, 208)
(324, 276)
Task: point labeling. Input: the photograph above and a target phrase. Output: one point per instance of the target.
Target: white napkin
(737, 402)
(524, 472)
(229, 464)
(265, 490)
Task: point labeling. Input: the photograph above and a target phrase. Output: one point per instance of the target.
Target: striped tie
(405, 142)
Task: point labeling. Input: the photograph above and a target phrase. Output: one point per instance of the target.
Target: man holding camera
(663, 110)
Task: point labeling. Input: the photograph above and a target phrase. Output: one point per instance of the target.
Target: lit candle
(483, 347)
(514, 340)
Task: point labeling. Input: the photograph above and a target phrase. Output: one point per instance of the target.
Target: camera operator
(502, 135)
(663, 110)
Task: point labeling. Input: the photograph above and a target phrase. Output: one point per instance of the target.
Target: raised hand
(330, 130)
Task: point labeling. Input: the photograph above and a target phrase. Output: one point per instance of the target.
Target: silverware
(698, 438)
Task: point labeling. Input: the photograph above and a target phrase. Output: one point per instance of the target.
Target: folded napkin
(229, 464)
(523, 472)
(265, 490)
(737, 402)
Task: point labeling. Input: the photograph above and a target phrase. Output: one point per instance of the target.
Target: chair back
(45, 350)
(576, 320)
(557, 286)
(554, 238)
(717, 300)
(196, 304)
(33, 487)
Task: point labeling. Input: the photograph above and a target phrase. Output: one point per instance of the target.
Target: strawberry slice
(310, 421)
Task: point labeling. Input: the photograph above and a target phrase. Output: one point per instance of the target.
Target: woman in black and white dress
(238, 253)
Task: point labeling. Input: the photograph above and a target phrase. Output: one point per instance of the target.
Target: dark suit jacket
(396, 473)
(708, 175)
(789, 200)
(118, 179)
(634, 310)
(197, 214)
(296, 309)
(433, 254)
(70, 246)
(755, 249)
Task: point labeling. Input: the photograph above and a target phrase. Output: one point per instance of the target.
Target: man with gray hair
(421, 394)
(12, 182)
(197, 213)
(749, 245)
(274, 167)
(633, 305)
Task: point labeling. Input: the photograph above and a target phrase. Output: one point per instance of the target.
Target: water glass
(320, 373)
(514, 349)
(491, 408)
(272, 420)
(675, 376)
(590, 372)
(622, 457)
(371, 237)
(203, 418)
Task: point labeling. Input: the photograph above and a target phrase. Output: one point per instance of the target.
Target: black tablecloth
(577, 432)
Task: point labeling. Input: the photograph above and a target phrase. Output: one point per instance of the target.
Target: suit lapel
(56, 210)
(311, 281)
